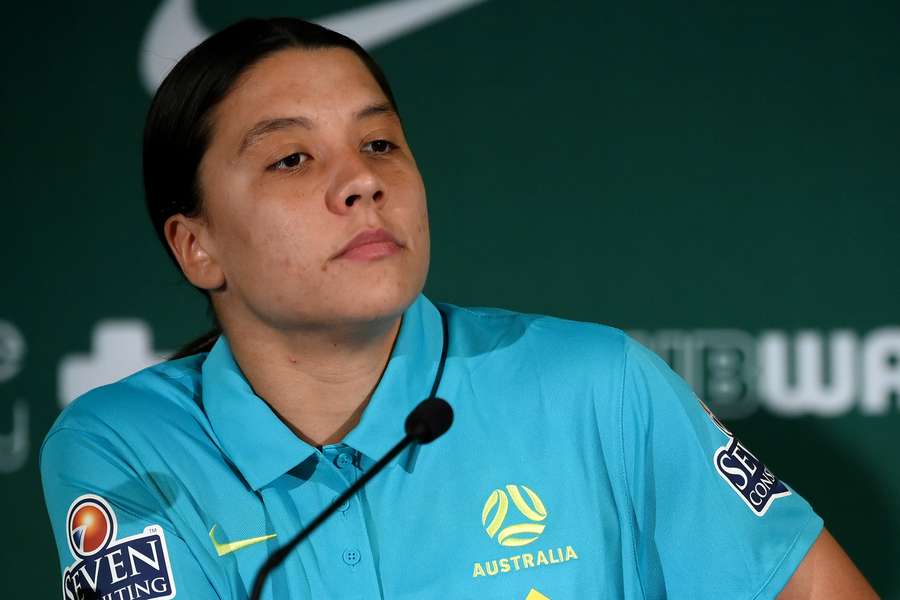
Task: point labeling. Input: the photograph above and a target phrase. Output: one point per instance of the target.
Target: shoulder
(555, 344)
(544, 332)
(166, 393)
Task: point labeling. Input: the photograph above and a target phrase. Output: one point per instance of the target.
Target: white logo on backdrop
(13, 445)
(118, 349)
(175, 29)
(811, 374)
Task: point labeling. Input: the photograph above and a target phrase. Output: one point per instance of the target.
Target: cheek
(274, 243)
(423, 215)
(422, 226)
(407, 183)
(285, 247)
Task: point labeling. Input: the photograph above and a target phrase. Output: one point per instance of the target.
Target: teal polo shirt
(578, 466)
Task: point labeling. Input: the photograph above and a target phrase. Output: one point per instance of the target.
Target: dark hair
(179, 122)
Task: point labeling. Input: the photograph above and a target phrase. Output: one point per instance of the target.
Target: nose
(354, 182)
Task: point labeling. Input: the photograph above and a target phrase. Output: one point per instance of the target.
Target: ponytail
(204, 343)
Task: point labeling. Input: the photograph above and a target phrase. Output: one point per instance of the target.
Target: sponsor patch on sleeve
(137, 566)
(753, 482)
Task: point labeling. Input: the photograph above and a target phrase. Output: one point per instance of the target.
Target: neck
(318, 382)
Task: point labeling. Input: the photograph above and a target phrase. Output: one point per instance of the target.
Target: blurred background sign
(720, 181)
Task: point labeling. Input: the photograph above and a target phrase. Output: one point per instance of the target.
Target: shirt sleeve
(110, 531)
(711, 520)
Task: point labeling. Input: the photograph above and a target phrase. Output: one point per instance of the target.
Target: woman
(279, 179)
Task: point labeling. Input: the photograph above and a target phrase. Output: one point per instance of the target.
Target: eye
(380, 146)
(291, 161)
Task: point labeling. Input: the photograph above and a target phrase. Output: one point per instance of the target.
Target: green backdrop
(721, 181)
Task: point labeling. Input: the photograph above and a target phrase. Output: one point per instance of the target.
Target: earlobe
(190, 243)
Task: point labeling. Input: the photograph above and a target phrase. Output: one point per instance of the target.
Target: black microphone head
(429, 420)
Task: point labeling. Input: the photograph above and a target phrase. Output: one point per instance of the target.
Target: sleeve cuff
(792, 559)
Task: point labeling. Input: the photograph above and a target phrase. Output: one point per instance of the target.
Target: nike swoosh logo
(229, 547)
(175, 29)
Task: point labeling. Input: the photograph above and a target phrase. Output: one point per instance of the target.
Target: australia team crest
(137, 566)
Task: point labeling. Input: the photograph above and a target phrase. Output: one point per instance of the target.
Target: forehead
(313, 82)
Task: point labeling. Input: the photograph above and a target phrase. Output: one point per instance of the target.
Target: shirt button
(351, 556)
(343, 460)
(345, 506)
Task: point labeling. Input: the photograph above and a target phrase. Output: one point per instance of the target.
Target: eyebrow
(267, 126)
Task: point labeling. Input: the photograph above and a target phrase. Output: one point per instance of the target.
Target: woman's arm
(827, 572)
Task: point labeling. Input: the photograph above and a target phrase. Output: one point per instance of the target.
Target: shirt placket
(336, 561)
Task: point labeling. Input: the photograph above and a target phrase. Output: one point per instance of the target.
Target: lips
(368, 244)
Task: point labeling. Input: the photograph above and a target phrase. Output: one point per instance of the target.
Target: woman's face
(305, 155)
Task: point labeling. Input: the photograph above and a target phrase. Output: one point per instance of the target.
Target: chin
(379, 301)
(383, 292)
(365, 301)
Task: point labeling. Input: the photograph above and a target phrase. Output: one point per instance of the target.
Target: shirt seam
(503, 313)
(51, 434)
(178, 379)
(633, 513)
(482, 315)
(89, 434)
(721, 492)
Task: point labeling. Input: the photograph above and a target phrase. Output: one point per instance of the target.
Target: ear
(189, 239)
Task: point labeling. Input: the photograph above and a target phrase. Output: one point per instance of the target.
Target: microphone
(428, 421)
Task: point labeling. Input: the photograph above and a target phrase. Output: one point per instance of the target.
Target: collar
(406, 381)
(263, 448)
